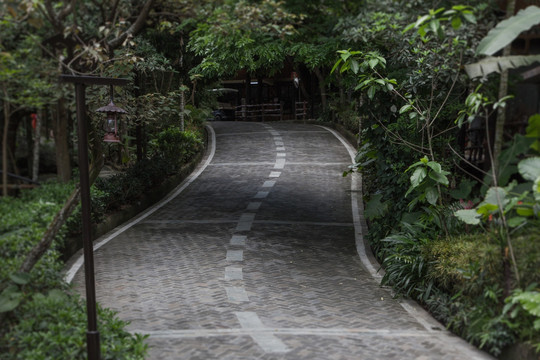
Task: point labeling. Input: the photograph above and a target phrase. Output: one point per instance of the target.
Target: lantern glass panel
(110, 123)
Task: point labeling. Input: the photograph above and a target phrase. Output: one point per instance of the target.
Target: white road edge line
(195, 333)
(70, 274)
(412, 308)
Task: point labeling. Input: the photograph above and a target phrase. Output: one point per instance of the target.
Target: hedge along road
(259, 255)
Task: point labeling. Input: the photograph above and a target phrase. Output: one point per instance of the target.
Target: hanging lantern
(111, 123)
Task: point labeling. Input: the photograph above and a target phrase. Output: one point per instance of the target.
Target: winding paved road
(259, 255)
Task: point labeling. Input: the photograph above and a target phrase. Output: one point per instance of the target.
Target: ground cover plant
(38, 307)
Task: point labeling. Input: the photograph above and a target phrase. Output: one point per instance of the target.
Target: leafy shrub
(29, 216)
(405, 267)
(53, 326)
(456, 263)
(177, 146)
(49, 326)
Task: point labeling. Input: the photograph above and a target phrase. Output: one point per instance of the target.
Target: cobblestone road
(259, 255)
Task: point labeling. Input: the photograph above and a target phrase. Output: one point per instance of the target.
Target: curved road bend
(255, 258)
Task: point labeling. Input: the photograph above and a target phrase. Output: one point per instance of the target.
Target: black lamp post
(92, 334)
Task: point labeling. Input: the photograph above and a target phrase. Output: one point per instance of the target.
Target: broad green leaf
(516, 221)
(435, 166)
(533, 131)
(434, 25)
(486, 209)
(463, 191)
(530, 168)
(507, 30)
(469, 17)
(530, 300)
(523, 211)
(405, 108)
(10, 298)
(335, 66)
(468, 216)
(498, 64)
(373, 62)
(432, 195)
(418, 176)
(371, 92)
(456, 22)
(439, 177)
(20, 278)
(422, 20)
(495, 195)
(354, 66)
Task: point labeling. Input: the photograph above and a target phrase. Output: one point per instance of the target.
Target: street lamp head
(111, 123)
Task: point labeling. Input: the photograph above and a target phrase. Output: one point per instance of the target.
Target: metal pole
(92, 334)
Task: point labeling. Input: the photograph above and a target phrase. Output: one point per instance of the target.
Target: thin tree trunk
(5, 146)
(503, 91)
(60, 219)
(322, 88)
(182, 106)
(37, 141)
(60, 127)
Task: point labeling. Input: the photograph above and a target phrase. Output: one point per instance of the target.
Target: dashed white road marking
(280, 148)
(269, 183)
(261, 195)
(236, 294)
(245, 222)
(266, 340)
(275, 174)
(235, 255)
(233, 273)
(254, 205)
(239, 240)
(280, 163)
(279, 155)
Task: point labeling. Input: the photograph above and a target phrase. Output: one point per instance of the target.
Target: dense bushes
(414, 186)
(41, 317)
(53, 326)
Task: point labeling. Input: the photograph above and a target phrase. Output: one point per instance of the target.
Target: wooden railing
(301, 110)
(260, 112)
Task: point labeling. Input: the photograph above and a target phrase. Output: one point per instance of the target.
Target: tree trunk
(37, 141)
(501, 111)
(5, 146)
(60, 219)
(61, 133)
(322, 88)
(29, 130)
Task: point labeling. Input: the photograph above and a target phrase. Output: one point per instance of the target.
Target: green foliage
(432, 22)
(426, 179)
(405, 267)
(29, 216)
(523, 309)
(533, 131)
(507, 30)
(178, 147)
(463, 264)
(53, 326)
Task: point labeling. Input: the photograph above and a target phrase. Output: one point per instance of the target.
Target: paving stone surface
(257, 259)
